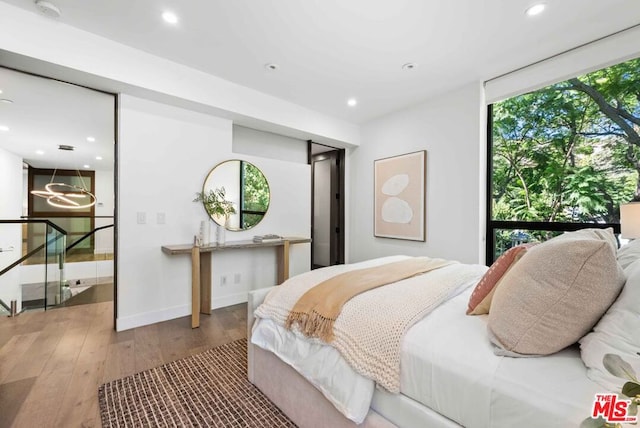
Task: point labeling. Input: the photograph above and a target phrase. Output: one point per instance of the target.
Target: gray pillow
(553, 296)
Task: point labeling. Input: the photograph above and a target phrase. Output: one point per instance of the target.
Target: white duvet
(448, 365)
(323, 366)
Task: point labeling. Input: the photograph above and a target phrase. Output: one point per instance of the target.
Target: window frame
(492, 225)
(242, 210)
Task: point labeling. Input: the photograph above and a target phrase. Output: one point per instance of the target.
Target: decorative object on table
(246, 188)
(220, 234)
(267, 238)
(204, 233)
(400, 196)
(219, 209)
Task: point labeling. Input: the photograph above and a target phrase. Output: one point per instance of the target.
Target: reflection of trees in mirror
(255, 197)
(215, 203)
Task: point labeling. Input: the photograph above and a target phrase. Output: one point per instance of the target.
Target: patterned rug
(205, 390)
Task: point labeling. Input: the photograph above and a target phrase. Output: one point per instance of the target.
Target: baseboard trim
(147, 318)
(231, 299)
(139, 320)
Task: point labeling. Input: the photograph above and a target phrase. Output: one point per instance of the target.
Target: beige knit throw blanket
(369, 331)
(317, 310)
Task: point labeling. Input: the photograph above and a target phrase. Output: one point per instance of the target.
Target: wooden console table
(201, 268)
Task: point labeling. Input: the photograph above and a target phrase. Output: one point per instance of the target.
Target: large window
(563, 157)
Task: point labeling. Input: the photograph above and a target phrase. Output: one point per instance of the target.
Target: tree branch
(606, 108)
(601, 134)
(625, 114)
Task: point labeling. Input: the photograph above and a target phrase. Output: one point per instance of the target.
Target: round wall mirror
(236, 195)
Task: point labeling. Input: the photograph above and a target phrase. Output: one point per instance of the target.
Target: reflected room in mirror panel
(243, 193)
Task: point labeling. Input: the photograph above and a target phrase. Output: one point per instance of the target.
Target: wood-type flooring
(51, 363)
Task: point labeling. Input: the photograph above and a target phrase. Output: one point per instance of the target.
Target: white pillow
(616, 336)
(629, 253)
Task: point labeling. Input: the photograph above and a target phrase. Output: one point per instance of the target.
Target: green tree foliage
(570, 151)
(256, 194)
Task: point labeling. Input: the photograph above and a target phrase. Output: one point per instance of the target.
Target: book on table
(267, 238)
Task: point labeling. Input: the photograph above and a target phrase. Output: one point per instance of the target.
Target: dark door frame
(337, 252)
(116, 117)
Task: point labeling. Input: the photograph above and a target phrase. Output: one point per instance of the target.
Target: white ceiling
(329, 50)
(47, 113)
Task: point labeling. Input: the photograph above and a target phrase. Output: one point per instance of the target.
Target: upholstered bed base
(307, 407)
(298, 399)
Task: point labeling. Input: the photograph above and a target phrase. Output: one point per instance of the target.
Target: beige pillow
(592, 233)
(553, 296)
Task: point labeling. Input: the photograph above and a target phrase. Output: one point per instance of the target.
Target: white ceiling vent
(48, 9)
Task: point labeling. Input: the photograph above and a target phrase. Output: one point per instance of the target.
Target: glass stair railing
(5, 310)
(40, 269)
(89, 274)
(40, 243)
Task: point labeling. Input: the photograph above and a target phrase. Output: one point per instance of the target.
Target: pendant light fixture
(66, 196)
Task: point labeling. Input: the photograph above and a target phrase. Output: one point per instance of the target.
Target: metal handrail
(31, 253)
(86, 235)
(53, 225)
(52, 240)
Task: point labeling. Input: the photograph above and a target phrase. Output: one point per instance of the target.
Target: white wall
(165, 153)
(268, 145)
(450, 128)
(10, 235)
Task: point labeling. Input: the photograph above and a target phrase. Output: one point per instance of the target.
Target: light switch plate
(142, 218)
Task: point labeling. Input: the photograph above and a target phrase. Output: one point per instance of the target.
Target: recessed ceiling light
(0, 91)
(87, 166)
(352, 102)
(98, 157)
(170, 17)
(4, 128)
(535, 9)
(409, 66)
(6, 101)
(39, 152)
(48, 9)
(91, 139)
(271, 66)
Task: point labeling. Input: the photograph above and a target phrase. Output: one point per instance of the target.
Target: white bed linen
(320, 364)
(448, 364)
(323, 366)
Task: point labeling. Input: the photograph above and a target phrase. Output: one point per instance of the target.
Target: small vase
(203, 235)
(220, 234)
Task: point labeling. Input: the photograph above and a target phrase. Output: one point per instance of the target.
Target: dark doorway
(327, 205)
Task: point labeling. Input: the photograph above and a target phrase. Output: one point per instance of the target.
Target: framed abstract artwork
(400, 196)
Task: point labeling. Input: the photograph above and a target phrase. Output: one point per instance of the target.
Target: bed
(449, 372)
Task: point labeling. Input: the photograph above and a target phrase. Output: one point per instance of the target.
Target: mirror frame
(204, 189)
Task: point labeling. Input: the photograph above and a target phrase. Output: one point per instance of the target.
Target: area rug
(204, 390)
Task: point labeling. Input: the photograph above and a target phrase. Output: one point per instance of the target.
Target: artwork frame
(400, 184)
